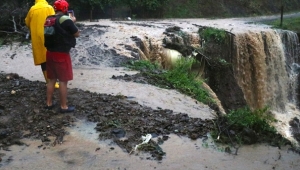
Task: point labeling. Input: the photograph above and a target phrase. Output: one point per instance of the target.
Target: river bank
(81, 148)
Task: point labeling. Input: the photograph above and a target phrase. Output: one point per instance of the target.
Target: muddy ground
(117, 117)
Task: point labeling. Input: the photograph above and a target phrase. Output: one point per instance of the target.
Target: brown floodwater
(82, 150)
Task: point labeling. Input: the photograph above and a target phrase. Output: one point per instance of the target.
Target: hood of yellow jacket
(41, 1)
(39, 4)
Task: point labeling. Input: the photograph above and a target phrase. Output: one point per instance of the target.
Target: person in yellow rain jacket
(35, 20)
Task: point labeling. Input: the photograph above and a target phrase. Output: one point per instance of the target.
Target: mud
(117, 118)
(104, 131)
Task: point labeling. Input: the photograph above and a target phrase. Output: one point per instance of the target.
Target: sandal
(68, 110)
(50, 107)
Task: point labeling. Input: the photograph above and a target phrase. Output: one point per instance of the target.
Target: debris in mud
(233, 133)
(22, 115)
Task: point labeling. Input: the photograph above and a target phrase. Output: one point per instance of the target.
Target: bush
(179, 78)
(243, 126)
(213, 35)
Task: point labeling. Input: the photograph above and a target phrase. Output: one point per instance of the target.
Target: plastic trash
(145, 139)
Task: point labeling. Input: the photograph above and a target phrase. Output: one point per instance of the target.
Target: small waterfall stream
(266, 67)
(260, 69)
(263, 70)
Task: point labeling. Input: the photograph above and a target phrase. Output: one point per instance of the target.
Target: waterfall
(266, 67)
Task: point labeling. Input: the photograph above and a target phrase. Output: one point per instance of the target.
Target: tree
(112, 4)
(13, 13)
(90, 5)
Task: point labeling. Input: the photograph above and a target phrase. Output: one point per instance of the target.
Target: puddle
(81, 150)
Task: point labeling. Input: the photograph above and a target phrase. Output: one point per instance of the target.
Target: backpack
(55, 35)
(50, 30)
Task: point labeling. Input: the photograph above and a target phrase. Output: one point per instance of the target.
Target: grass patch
(183, 80)
(292, 24)
(179, 78)
(243, 126)
(142, 65)
(212, 34)
(257, 120)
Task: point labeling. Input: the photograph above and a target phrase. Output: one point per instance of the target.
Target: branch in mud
(12, 17)
(15, 25)
(200, 56)
(232, 143)
(15, 32)
(225, 129)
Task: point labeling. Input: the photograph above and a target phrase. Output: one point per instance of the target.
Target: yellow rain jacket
(35, 20)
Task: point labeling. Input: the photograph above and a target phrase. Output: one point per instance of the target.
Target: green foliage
(226, 8)
(154, 4)
(13, 13)
(182, 79)
(147, 4)
(142, 65)
(243, 126)
(179, 78)
(223, 62)
(257, 120)
(188, 9)
(1, 41)
(88, 9)
(292, 24)
(212, 34)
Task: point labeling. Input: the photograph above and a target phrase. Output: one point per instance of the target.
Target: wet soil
(117, 118)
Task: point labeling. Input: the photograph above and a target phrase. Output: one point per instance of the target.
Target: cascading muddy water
(265, 67)
(264, 70)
